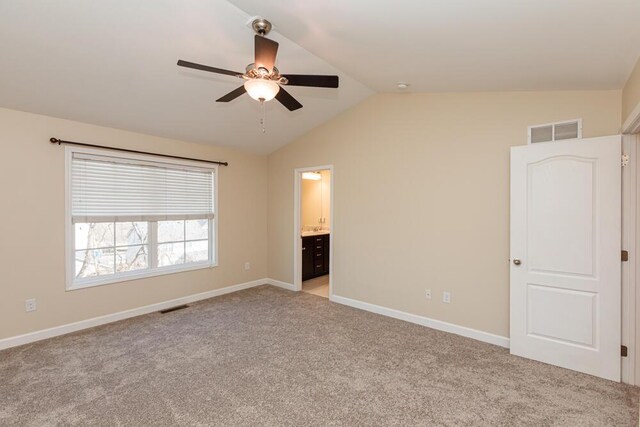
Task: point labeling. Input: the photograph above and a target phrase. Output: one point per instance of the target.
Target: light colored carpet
(317, 286)
(266, 356)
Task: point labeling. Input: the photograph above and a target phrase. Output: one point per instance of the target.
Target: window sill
(125, 277)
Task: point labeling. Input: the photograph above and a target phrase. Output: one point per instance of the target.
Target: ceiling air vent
(570, 129)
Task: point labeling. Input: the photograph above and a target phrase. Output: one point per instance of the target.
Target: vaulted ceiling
(467, 45)
(113, 63)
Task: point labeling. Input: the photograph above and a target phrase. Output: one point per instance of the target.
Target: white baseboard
(280, 284)
(424, 321)
(109, 318)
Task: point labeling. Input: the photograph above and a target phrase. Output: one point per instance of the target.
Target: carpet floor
(266, 356)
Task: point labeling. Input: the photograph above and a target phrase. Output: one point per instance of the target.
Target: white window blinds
(107, 188)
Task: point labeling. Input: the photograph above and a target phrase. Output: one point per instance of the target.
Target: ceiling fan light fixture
(262, 89)
(313, 176)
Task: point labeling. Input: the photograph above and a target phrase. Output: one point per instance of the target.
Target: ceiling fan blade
(232, 95)
(287, 100)
(195, 66)
(311, 80)
(266, 51)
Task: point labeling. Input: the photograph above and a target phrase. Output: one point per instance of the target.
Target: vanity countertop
(314, 233)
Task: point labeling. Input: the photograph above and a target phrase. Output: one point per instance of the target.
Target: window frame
(74, 284)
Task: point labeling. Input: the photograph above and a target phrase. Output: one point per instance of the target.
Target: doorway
(313, 230)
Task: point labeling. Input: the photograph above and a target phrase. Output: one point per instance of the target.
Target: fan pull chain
(262, 119)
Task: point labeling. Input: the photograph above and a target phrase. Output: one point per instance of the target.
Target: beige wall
(326, 198)
(421, 196)
(631, 92)
(310, 203)
(315, 201)
(32, 240)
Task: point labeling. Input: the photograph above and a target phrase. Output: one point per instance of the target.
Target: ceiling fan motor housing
(251, 72)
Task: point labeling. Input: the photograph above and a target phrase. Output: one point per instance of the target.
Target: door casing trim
(630, 185)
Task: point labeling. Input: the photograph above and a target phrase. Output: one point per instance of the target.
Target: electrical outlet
(30, 304)
(446, 297)
(428, 294)
(247, 265)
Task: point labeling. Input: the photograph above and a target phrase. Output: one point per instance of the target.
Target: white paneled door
(565, 254)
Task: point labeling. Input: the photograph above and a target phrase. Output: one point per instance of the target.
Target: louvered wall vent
(558, 131)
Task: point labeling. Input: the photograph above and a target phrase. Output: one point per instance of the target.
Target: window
(133, 216)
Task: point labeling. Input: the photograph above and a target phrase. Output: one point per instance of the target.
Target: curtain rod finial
(54, 141)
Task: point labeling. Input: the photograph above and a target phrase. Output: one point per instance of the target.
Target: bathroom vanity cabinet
(315, 256)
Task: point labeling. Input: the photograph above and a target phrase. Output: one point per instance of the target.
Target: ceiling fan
(263, 80)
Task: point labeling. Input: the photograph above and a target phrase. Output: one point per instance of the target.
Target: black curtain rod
(61, 141)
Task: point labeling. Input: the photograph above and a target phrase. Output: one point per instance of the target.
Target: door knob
(516, 261)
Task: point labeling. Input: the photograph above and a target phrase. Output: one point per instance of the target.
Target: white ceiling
(466, 45)
(113, 63)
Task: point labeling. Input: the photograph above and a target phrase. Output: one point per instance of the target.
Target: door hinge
(623, 351)
(625, 256)
(625, 159)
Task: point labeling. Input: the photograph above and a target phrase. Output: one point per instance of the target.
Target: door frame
(630, 240)
(297, 214)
